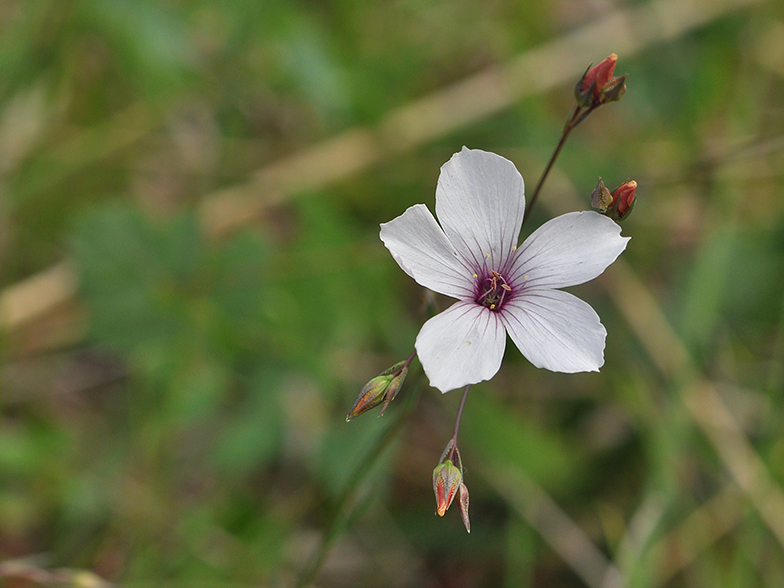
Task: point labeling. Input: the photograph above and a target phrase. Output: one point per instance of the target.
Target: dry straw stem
(670, 555)
(565, 536)
(707, 409)
(550, 65)
(23, 570)
(38, 295)
(701, 529)
(681, 546)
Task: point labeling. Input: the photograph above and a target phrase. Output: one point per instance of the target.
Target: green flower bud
(382, 388)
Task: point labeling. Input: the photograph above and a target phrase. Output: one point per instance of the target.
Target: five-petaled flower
(501, 288)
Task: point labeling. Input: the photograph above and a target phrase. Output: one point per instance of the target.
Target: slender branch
(577, 116)
(546, 172)
(451, 448)
(460, 413)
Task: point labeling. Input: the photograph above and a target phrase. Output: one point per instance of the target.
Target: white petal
(556, 331)
(480, 203)
(421, 249)
(568, 250)
(462, 345)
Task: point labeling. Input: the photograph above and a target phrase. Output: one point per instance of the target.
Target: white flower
(501, 288)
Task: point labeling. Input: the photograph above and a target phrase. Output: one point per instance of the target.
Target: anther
(493, 291)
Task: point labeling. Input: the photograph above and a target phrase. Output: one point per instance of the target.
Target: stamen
(492, 291)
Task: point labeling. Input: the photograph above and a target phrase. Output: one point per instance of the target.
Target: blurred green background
(192, 293)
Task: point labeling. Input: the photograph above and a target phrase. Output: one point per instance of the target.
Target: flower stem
(457, 420)
(576, 116)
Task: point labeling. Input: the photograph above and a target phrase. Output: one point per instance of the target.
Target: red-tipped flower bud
(598, 86)
(382, 388)
(447, 480)
(623, 200)
(596, 77)
(617, 205)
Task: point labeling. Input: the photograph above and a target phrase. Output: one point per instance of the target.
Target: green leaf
(252, 431)
(132, 276)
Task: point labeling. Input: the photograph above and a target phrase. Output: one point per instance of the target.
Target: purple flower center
(492, 290)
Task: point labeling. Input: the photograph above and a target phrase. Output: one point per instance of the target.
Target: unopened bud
(618, 204)
(382, 388)
(623, 200)
(598, 86)
(589, 88)
(446, 481)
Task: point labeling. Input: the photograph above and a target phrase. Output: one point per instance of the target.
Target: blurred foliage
(181, 422)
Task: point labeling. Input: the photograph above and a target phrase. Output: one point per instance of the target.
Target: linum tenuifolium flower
(501, 288)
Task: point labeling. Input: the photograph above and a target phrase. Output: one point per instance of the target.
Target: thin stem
(577, 116)
(546, 172)
(457, 420)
